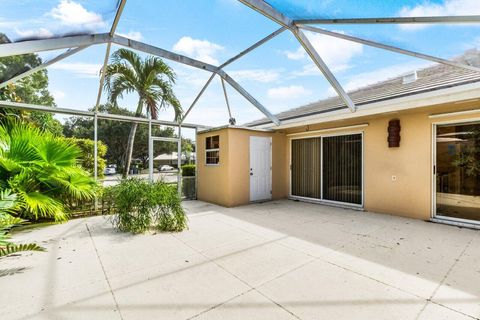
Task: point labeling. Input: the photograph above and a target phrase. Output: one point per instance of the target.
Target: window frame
(212, 150)
(306, 135)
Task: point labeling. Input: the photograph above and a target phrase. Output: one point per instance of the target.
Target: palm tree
(152, 80)
(42, 169)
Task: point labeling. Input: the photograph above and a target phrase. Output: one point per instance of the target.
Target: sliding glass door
(342, 168)
(327, 168)
(457, 171)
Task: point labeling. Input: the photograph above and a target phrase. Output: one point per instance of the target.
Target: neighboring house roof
(435, 77)
(173, 156)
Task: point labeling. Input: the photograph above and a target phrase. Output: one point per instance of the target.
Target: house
(412, 149)
(172, 158)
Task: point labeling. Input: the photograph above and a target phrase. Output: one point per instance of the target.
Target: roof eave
(447, 95)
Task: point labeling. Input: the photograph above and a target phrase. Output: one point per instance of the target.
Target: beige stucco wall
(213, 179)
(409, 195)
(228, 183)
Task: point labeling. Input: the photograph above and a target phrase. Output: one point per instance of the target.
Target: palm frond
(7, 202)
(7, 221)
(76, 184)
(120, 79)
(125, 55)
(42, 206)
(14, 248)
(58, 152)
(151, 78)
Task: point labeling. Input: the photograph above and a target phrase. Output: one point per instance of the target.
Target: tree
(87, 157)
(114, 134)
(32, 89)
(152, 80)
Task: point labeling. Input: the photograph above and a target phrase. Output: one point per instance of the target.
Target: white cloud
(82, 70)
(71, 13)
(39, 33)
(259, 75)
(134, 35)
(290, 92)
(446, 8)
(58, 95)
(8, 24)
(298, 54)
(337, 53)
(202, 50)
(191, 76)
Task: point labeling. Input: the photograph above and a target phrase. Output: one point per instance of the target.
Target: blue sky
(279, 74)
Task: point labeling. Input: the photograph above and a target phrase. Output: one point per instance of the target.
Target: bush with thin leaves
(140, 206)
(42, 169)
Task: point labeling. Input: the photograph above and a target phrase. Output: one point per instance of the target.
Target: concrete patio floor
(275, 260)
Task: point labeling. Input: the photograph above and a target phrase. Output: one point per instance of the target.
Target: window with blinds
(327, 168)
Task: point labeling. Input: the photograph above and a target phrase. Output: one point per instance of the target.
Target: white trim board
(363, 125)
(453, 114)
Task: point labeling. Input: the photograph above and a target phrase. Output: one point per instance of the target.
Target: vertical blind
(333, 172)
(306, 168)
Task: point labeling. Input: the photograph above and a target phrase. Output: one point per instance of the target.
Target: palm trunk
(131, 140)
(129, 151)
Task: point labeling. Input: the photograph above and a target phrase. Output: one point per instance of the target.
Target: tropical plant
(140, 205)
(7, 205)
(87, 158)
(42, 169)
(150, 78)
(468, 158)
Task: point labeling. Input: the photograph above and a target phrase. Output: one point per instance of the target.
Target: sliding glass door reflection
(458, 171)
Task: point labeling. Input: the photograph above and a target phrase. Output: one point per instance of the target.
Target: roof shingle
(435, 77)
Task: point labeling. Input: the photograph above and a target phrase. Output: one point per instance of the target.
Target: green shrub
(188, 170)
(42, 169)
(140, 205)
(87, 157)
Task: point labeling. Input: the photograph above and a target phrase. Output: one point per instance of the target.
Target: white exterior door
(260, 168)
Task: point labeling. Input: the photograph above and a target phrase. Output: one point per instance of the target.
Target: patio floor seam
(316, 258)
(220, 304)
(245, 282)
(104, 273)
(430, 299)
